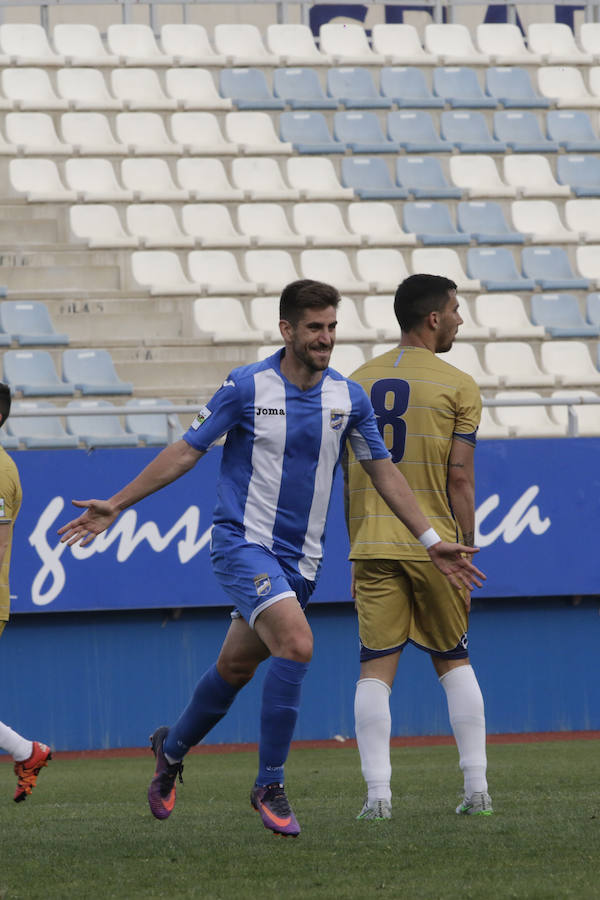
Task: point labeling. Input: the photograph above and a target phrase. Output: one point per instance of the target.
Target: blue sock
(280, 705)
(210, 701)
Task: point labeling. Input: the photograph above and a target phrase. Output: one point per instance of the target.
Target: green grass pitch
(86, 831)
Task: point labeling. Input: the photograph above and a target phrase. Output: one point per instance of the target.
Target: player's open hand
(453, 560)
(98, 515)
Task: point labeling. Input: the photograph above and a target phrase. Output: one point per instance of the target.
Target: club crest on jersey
(336, 418)
(262, 583)
(202, 416)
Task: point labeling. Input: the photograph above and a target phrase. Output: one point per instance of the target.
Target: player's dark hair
(418, 295)
(4, 403)
(306, 294)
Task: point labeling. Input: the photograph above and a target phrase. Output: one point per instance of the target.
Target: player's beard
(312, 362)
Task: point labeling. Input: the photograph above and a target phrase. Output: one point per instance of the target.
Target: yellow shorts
(402, 600)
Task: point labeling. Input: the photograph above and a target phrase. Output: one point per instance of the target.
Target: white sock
(467, 718)
(18, 747)
(373, 724)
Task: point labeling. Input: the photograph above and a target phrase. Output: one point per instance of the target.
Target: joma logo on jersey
(269, 411)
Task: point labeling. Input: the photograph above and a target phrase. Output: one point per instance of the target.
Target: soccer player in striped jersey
(287, 420)
(428, 413)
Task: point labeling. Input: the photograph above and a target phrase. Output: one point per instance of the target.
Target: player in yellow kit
(428, 413)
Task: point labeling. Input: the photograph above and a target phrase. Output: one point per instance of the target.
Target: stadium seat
(30, 89)
(28, 322)
(539, 219)
(322, 225)
(151, 181)
(316, 178)
(270, 270)
(589, 38)
(34, 133)
(225, 322)
(505, 317)
(308, 132)
(98, 226)
(94, 181)
(85, 89)
(199, 133)
(348, 45)
(555, 42)
(261, 179)
(484, 222)
(90, 134)
(144, 133)
(477, 176)
(295, 46)
(469, 133)
(189, 45)
(592, 308)
(333, 267)
(515, 364)
(39, 432)
(98, 430)
(27, 45)
(32, 372)
(587, 418)
(264, 316)
(206, 180)
(378, 312)
(370, 179)
(570, 362)
(588, 263)
(583, 218)
(452, 44)
(347, 358)
(242, 45)
(377, 224)
(560, 316)
(349, 325)
(140, 89)
(465, 357)
(511, 86)
(210, 225)
(93, 372)
(219, 272)
(532, 176)
(551, 270)
(431, 223)
(572, 130)
(353, 88)
(459, 87)
(135, 45)
(566, 87)
(81, 45)
(503, 43)
(161, 272)
(521, 132)
(443, 261)
(154, 226)
(406, 87)
(39, 181)
(424, 178)
(300, 88)
(527, 421)
(266, 225)
(495, 268)
(471, 329)
(489, 428)
(194, 89)
(255, 134)
(248, 89)
(150, 427)
(400, 45)
(415, 132)
(580, 173)
(361, 133)
(382, 268)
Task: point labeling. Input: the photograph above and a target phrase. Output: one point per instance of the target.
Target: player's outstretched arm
(172, 462)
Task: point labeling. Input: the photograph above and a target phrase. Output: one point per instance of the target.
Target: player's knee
(298, 647)
(235, 671)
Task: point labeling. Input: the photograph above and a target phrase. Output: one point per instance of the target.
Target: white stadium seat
(264, 316)
(199, 133)
(135, 45)
(155, 226)
(556, 43)
(162, 273)
(376, 222)
(267, 226)
(504, 316)
(382, 268)
(347, 45)
(333, 267)
(570, 362)
(98, 225)
(145, 134)
(316, 179)
(86, 89)
(189, 45)
(531, 174)
(28, 88)
(515, 365)
(583, 216)
(378, 312)
(27, 45)
(95, 181)
(587, 416)
(90, 134)
(81, 45)
(489, 428)
(261, 179)
(588, 262)
(400, 45)
(504, 45)
(243, 45)
(151, 181)
(541, 221)
(194, 89)
(472, 329)
(566, 86)
(443, 261)
(349, 325)
(527, 421)
(35, 134)
(255, 133)
(465, 358)
(271, 270)
(347, 358)
(219, 272)
(140, 89)
(322, 225)
(225, 321)
(39, 180)
(210, 225)
(478, 177)
(295, 46)
(206, 180)
(453, 46)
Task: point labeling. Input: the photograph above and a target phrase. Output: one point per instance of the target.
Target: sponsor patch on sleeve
(202, 416)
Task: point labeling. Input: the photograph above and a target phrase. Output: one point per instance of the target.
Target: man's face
(449, 321)
(312, 339)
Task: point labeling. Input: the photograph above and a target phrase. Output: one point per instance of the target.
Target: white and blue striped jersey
(279, 460)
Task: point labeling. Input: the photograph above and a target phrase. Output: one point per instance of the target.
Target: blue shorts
(254, 579)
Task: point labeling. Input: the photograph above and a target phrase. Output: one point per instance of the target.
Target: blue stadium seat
(468, 131)
(150, 427)
(300, 88)
(424, 178)
(98, 430)
(362, 133)
(551, 270)
(406, 86)
(573, 130)
(353, 87)
(431, 223)
(581, 173)
(521, 132)
(38, 432)
(248, 89)
(592, 308)
(93, 372)
(308, 132)
(459, 87)
(369, 177)
(560, 315)
(28, 322)
(495, 268)
(33, 373)
(415, 132)
(484, 221)
(511, 86)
